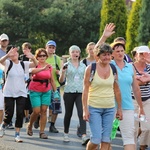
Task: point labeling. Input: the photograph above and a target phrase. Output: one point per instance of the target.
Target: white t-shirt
(15, 82)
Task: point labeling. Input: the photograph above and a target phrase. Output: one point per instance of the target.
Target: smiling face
(41, 55)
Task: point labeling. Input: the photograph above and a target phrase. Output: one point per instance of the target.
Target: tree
(144, 27)
(132, 26)
(114, 11)
(67, 22)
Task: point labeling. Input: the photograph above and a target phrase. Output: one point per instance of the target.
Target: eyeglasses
(41, 55)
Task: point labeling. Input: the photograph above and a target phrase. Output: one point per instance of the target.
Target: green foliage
(132, 26)
(67, 22)
(114, 11)
(144, 27)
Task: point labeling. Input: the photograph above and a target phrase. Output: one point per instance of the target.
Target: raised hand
(29, 55)
(47, 67)
(109, 30)
(12, 52)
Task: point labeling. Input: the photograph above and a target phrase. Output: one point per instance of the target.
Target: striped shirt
(145, 89)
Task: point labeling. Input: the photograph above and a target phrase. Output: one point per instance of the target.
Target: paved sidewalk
(55, 140)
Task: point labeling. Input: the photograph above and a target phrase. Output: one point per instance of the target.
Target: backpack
(93, 69)
(85, 61)
(9, 67)
(57, 68)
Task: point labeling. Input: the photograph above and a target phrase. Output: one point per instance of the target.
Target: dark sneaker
(53, 129)
(85, 140)
(26, 120)
(78, 131)
(10, 126)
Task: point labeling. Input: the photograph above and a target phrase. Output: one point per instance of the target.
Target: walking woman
(15, 89)
(40, 89)
(99, 99)
(141, 65)
(127, 83)
(73, 71)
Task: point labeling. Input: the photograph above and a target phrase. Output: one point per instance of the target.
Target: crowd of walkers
(105, 85)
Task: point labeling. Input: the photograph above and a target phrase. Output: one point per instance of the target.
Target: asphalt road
(55, 140)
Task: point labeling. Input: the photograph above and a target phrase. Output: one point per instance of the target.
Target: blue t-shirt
(125, 80)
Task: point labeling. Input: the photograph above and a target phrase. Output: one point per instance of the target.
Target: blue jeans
(100, 122)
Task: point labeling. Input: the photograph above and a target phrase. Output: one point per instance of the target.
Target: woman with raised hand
(40, 89)
(18, 93)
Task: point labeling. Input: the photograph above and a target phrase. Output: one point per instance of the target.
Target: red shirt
(38, 86)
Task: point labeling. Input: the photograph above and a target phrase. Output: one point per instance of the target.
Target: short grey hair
(74, 47)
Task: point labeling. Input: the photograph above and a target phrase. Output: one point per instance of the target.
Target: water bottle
(141, 118)
(116, 124)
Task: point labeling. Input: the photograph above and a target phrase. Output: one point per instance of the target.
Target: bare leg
(43, 118)
(1, 116)
(34, 115)
(129, 147)
(91, 146)
(105, 146)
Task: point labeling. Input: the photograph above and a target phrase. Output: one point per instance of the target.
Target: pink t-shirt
(38, 86)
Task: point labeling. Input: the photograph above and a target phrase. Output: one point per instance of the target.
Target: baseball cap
(4, 37)
(51, 42)
(143, 49)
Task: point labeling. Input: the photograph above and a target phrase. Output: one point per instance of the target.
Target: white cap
(4, 37)
(143, 49)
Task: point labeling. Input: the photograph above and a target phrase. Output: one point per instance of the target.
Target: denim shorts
(100, 122)
(39, 98)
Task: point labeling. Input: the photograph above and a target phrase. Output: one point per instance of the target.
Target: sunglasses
(41, 56)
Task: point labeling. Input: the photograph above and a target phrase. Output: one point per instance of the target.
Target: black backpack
(93, 69)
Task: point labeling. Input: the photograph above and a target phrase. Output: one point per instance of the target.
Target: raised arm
(33, 62)
(12, 52)
(108, 31)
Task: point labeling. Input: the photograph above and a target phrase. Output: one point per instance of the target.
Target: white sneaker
(66, 138)
(18, 139)
(85, 140)
(2, 132)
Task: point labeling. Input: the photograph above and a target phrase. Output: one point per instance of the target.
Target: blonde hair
(88, 45)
